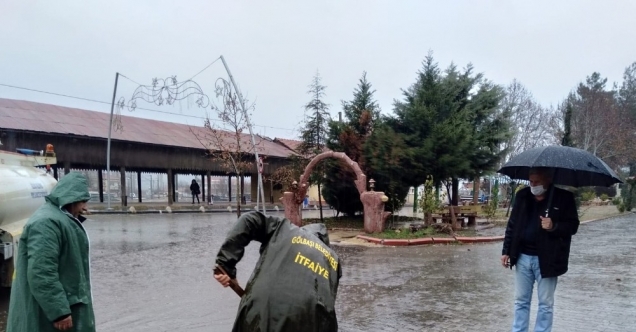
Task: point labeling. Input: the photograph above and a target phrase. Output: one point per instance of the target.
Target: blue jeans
(527, 272)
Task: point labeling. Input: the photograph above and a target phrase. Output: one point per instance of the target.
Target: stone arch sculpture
(373, 201)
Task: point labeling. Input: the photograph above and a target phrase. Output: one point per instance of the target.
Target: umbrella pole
(547, 211)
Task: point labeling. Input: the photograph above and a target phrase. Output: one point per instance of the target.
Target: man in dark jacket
(195, 190)
(294, 284)
(52, 287)
(539, 246)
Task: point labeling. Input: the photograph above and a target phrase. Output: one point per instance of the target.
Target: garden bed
(356, 222)
(405, 233)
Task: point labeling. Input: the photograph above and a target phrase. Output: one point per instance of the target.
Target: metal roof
(32, 116)
(291, 144)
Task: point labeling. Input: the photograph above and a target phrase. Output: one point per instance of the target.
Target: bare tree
(227, 143)
(530, 122)
(599, 124)
(292, 171)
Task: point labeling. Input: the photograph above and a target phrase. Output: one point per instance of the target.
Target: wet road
(153, 273)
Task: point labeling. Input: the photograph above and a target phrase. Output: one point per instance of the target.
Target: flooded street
(154, 273)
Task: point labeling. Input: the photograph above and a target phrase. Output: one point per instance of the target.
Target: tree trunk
(512, 199)
(320, 202)
(455, 199)
(437, 192)
(476, 187)
(428, 218)
(238, 196)
(415, 200)
(454, 224)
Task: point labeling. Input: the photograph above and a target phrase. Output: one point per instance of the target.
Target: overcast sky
(274, 48)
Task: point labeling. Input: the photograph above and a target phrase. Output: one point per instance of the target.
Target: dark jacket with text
(295, 281)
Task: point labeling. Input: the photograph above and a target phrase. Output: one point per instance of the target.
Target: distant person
(293, 287)
(194, 188)
(539, 247)
(52, 286)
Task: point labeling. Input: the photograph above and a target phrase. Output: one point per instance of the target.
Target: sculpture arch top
(361, 179)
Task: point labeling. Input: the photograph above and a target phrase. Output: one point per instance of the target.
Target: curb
(434, 240)
(345, 229)
(609, 217)
(93, 212)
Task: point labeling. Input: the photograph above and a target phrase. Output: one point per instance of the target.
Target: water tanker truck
(23, 187)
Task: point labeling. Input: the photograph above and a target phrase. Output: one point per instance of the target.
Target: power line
(208, 66)
(128, 78)
(139, 108)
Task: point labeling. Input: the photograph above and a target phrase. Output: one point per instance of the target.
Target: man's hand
(65, 324)
(505, 261)
(224, 279)
(546, 223)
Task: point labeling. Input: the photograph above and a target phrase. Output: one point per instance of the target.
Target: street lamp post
(260, 193)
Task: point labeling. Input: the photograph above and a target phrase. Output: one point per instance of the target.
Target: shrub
(587, 196)
(616, 201)
(621, 207)
(604, 197)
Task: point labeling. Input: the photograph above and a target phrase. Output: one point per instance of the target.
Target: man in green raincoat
(294, 284)
(52, 290)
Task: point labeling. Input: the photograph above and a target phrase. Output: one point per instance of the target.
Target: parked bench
(463, 212)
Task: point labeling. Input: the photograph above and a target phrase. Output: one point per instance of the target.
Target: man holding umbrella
(539, 246)
(544, 219)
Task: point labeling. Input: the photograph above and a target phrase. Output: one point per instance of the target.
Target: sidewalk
(181, 207)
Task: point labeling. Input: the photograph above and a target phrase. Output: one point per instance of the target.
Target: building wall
(90, 153)
(312, 192)
(272, 196)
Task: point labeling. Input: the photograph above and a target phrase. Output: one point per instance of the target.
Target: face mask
(537, 191)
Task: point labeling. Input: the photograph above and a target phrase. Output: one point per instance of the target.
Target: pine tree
(361, 115)
(387, 155)
(435, 122)
(314, 133)
(452, 124)
(567, 126)
(491, 129)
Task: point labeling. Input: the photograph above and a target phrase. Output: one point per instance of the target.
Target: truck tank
(22, 190)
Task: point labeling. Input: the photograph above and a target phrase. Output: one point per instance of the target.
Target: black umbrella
(572, 167)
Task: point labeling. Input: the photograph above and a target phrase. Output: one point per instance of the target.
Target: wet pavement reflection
(154, 273)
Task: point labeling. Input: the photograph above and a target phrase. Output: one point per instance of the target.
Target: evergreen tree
(452, 123)
(567, 126)
(361, 115)
(627, 91)
(627, 101)
(388, 156)
(435, 123)
(314, 133)
(491, 129)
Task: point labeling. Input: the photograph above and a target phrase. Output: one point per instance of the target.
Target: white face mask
(537, 191)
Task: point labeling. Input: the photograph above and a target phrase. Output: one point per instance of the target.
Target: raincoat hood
(319, 230)
(73, 187)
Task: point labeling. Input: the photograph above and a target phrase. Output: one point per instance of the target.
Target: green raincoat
(294, 284)
(52, 277)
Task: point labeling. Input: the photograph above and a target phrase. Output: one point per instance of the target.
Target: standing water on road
(154, 273)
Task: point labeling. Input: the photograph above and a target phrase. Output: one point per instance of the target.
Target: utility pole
(110, 128)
